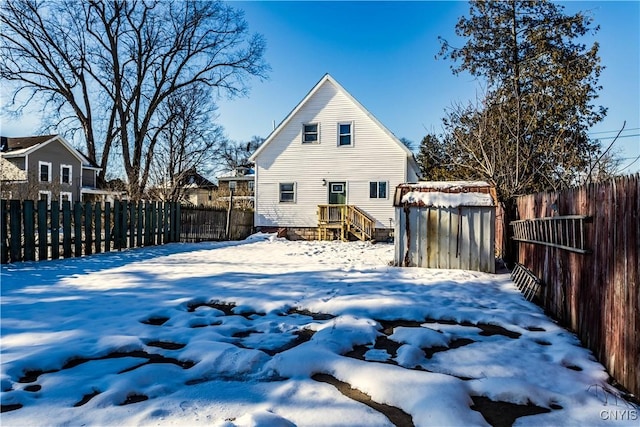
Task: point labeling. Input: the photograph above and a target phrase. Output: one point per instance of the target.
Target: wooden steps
(342, 221)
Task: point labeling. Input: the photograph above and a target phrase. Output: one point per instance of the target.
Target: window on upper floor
(345, 134)
(287, 192)
(310, 133)
(232, 186)
(44, 171)
(65, 174)
(378, 190)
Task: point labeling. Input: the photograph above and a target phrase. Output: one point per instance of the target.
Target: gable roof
(13, 144)
(192, 178)
(330, 80)
(23, 146)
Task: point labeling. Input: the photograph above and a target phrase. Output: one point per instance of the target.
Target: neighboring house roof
(194, 180)
(22, 146)
(241, 173)
(324, 80)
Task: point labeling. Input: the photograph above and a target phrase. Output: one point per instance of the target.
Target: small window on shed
(287, 192)
(378, 190)
(310, 133)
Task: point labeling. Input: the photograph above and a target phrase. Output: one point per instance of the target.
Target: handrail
(350, 217)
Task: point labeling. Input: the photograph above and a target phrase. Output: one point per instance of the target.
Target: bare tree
(235, 154)
(107, 68)
(187, 143)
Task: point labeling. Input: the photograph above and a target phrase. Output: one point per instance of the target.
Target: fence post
(228, 225)
(4, 233)
(15, 220)
(43, 235)
(55, 229)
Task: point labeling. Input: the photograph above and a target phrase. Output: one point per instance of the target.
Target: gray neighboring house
(48, 168)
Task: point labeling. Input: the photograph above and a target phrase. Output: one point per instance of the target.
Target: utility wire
(612, 131)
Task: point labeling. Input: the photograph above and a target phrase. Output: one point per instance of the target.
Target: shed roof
(445, 194)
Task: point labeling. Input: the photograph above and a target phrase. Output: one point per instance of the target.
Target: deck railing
(345, 219)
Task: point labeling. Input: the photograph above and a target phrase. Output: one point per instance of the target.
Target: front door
(337, 193)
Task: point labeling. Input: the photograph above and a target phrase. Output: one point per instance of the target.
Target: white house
(329, 169)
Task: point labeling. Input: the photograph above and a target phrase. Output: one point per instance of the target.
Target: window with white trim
(378, 189)
(66, 196)
(65, 174)
(311, 133)
(44, 171)
(345, 134)
(45, 195)
(287, 192)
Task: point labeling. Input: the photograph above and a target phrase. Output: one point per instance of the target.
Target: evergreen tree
(541, 84)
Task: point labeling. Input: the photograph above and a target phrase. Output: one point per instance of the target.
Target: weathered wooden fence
(201, 224)
(594, 290)
(31, 231)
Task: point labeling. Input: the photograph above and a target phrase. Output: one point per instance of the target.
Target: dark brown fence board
(88, 228)
(97, 218)
(4, 232)
(29, 231)
(596, 295)
(43, 232)
(15, 227)
(77, 229)
(66, 229)
(107, 227)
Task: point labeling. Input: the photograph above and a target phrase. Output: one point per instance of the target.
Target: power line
(621, 136)
(612, 131)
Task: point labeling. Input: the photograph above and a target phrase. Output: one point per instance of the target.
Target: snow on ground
(233, 334)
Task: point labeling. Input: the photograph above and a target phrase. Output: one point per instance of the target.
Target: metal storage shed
(445, 224)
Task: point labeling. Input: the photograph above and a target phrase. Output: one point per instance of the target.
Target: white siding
(374, 156)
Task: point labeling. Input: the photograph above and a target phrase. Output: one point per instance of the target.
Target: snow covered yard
(268, 332)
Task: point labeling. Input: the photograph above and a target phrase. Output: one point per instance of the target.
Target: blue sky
(383, 53)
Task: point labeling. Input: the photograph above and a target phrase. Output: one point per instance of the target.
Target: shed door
(337, 193)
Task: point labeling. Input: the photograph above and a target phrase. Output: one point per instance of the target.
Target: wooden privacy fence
(583, 244)
(201, 224)
(33, 231)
